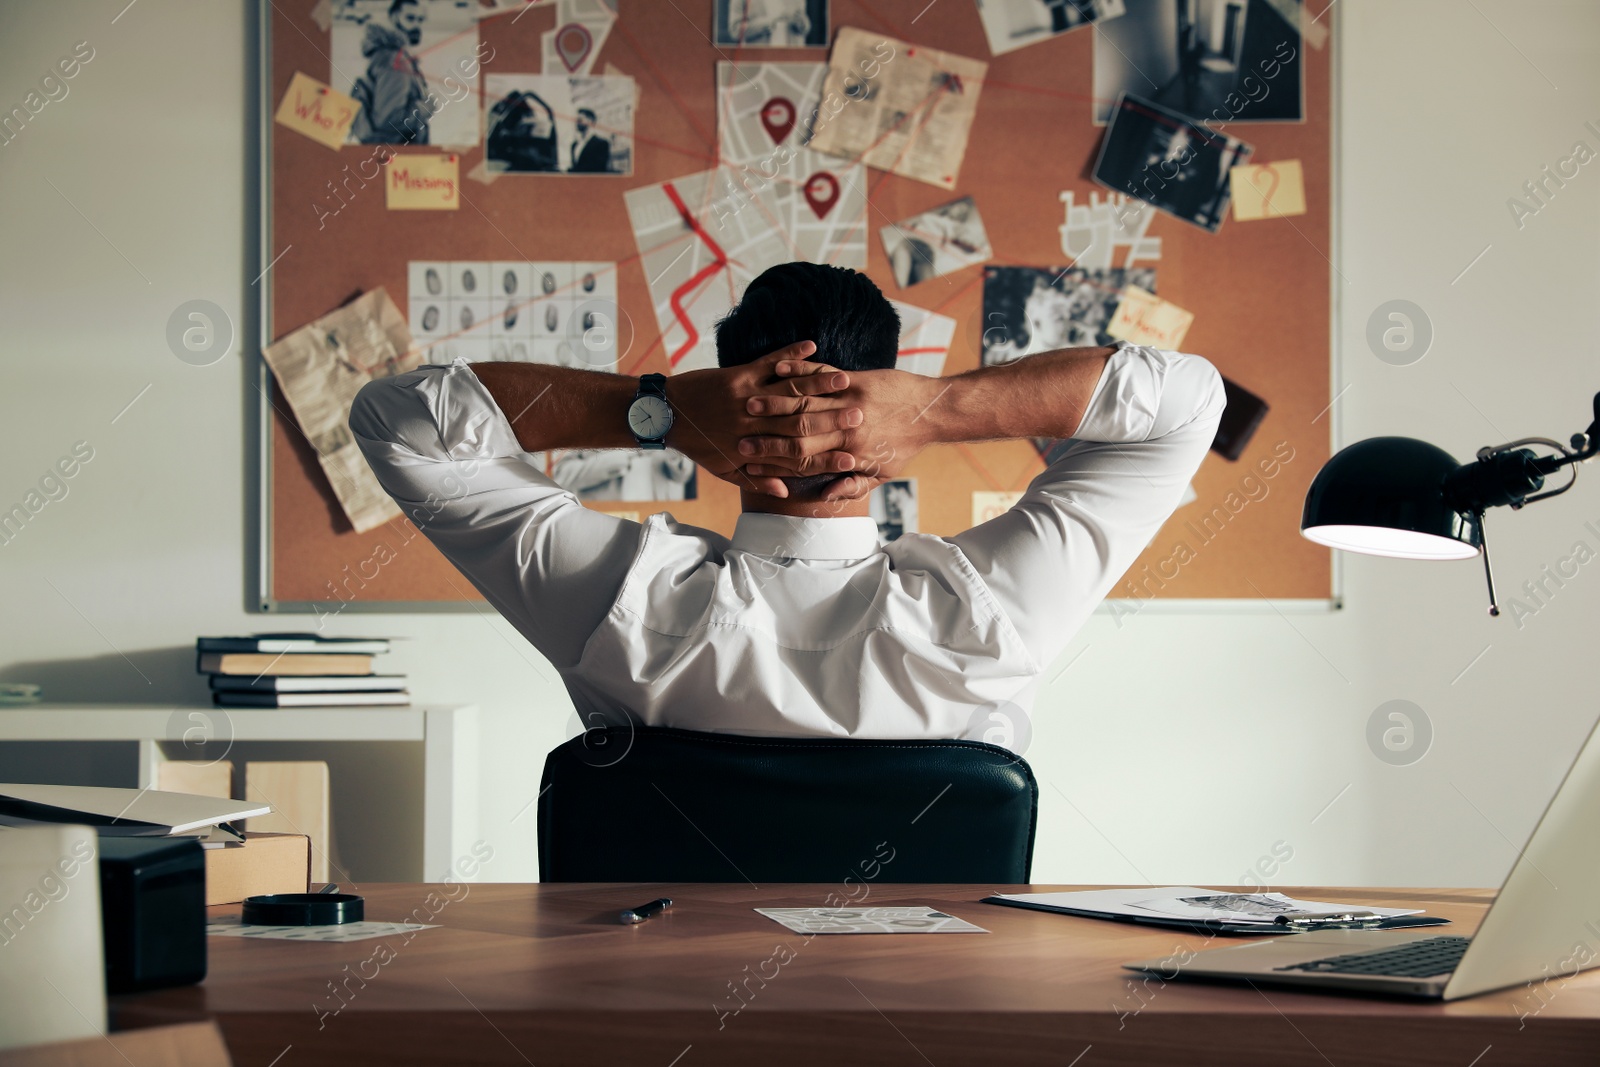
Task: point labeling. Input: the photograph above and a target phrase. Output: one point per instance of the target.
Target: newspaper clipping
(898, 107)
(320, 367)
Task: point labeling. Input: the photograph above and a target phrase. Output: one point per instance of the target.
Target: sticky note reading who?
(321, 113)
(1268, 190)
(423, 183)
(1145, 319)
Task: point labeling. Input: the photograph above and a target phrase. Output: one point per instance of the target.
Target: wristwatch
(650, 416)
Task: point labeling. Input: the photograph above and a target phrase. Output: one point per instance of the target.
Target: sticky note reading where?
(1268, 190)
(423, 183)
(321, 113)
(1146, 319)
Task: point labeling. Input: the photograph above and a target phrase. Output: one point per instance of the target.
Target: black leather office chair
(649, 804)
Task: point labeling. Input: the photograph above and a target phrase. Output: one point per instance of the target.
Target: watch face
(650, 417)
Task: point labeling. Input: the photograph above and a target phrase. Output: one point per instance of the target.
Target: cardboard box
(265, 863)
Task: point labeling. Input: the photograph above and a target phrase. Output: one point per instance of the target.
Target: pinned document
(321, 113)
(1268, 190)
(423, 183)
(1145, 319)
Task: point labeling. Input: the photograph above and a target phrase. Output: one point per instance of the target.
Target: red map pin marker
(573, 43)
(822, 192)
(777, 115)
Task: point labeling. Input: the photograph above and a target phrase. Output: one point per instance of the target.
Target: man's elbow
(366, 420)
(1215, 397)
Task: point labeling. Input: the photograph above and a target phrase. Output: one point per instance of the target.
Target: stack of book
(298, 671)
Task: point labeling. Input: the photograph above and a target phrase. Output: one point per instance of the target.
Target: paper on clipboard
(1191, 904)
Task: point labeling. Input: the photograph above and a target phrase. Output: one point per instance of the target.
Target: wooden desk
(544, 974)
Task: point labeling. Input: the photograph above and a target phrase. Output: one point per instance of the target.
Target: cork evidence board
(1259, 290)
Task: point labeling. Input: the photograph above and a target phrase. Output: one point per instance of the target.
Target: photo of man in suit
(590, 153)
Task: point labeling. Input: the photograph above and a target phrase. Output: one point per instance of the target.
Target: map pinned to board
(703, 237)
(924, 339)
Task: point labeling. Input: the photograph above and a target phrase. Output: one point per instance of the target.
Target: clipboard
(1354, 919)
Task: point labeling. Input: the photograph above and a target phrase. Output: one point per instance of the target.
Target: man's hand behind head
(716, 408)
(898, 414)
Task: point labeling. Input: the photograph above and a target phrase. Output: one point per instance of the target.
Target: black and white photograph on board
(1169, 161)
(558, 124)
(770, 23)
(1028, 310)
(412, 68)
(937, 242)
(607, 474)
(1216, 61)
(1013, 24)
(893, 506)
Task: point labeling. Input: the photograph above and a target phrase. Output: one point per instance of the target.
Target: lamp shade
(1385, 496)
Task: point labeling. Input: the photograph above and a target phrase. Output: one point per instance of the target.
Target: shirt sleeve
(1052, 557)
(443, 449)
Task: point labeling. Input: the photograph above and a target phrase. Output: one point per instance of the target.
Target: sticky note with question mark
(1268, 190)
(321, 113)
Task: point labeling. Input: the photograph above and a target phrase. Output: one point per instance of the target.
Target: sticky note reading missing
(1268, 190)
(423, 183)
(987, 505)
(321, 113)
(1146, 319)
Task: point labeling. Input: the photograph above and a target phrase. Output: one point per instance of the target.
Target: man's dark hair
(588, 113)
(848, 318)
(398, 4)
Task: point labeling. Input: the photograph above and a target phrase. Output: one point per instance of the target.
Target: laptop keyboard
(1416, 959)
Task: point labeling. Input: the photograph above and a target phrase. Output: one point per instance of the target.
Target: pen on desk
(644, 911)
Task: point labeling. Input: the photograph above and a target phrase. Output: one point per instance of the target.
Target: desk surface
(544, 974)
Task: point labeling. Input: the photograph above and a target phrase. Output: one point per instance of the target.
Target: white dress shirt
(795, 626)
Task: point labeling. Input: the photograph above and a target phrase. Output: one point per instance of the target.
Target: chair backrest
(651, 804)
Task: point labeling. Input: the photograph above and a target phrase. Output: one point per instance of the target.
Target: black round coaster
(303, 909)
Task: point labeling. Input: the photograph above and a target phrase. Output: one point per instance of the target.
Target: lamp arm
(1512, 474)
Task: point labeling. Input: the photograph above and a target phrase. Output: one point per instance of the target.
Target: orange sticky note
(321, 113)
(1268, 190)
(423, 183)
(988, 505)
(1146, 319)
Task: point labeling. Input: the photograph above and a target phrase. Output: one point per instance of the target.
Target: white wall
(1175, 748)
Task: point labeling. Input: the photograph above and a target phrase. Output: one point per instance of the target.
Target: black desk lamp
(1397, 496)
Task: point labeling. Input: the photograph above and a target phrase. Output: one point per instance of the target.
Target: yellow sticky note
(321, 113)
(1146, 319)
(1268, 190)
(423, 183)
(987, 505)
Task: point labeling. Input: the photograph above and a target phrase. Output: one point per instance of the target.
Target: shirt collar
(792, 537)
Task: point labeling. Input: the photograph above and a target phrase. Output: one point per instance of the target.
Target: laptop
(1544, 923)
